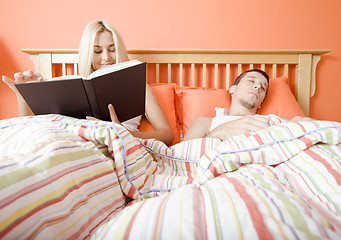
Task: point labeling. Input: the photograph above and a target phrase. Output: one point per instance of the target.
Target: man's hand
(300, 119)
(239, 126)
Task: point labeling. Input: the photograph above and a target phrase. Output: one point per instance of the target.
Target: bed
(68, 178)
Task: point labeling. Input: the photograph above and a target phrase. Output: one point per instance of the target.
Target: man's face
(251, 90)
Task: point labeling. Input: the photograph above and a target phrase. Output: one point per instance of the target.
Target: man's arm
(298, 119)
(201, 127)
(239, 126)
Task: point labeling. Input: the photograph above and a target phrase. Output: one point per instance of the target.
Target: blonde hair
(86, 48)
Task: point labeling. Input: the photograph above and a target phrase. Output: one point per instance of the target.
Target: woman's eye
(112, 50)
(97, 52)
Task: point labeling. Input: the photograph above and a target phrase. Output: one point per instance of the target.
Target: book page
(113, 68)
(67, 77)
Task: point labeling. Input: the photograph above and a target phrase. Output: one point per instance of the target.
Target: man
(247, 94)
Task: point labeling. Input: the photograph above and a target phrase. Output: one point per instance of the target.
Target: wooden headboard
(208, 68)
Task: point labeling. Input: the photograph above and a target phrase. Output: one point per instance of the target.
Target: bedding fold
(81, 179)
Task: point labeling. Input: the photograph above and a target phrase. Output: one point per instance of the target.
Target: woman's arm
(27, 76)
(198, 129)
(155, 116)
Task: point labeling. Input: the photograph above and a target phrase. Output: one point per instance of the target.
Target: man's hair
(240, 77)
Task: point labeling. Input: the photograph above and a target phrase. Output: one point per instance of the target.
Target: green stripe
(216, 214)
(52, 161)
(295, 213)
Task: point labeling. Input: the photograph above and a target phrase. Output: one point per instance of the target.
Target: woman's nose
(105, 55)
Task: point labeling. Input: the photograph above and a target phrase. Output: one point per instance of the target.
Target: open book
(123, 85)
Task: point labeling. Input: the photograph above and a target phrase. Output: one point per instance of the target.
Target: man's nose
(258, 86)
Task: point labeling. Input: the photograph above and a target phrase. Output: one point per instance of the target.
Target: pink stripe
(46, 181)
(256, 216)
(133, 148)
(200, 229)
(188, 170)
(96, 216)
(306, 141)
(258, 139)
(203, 146)
(131, 222)
(49, 203)
(332, 171)
(81, 131)
(286, 156)
(299, 185)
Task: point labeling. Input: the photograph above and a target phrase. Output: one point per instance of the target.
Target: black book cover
(124, 88)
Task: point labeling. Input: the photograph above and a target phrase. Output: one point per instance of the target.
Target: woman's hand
(22, 77)
(112, 112)
(113, 115)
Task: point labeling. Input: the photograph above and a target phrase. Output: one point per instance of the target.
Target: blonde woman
(102, 45)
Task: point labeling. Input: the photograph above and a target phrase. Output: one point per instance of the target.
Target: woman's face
(104, 50)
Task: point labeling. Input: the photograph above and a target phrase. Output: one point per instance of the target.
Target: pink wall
(202, 24)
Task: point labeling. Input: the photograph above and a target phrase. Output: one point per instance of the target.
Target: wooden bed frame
(208, 68)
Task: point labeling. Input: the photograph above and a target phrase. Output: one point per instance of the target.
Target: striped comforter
(66, 178)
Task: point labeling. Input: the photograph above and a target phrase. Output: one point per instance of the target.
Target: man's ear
(232, 89)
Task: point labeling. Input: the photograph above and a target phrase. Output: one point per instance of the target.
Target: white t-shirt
(222, 116)
(132, 124)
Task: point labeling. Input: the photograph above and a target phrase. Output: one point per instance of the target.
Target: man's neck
(241, 111)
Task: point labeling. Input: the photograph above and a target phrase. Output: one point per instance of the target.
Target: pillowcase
(280, 100)
(192, 102)
(164, 94)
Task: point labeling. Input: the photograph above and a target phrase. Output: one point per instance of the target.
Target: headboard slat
(181, 74)
(157, 73)
(286, 70)
(169, 71)
(204, 75)
(274, 70)
(216, 80)
(64, 69)
(228, 76)
(304, 62)
(192, 75)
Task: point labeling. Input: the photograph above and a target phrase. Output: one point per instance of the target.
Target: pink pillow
(192, 102)
(280, 100)
(164, 93)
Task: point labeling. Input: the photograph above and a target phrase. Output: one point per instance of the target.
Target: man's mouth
(255, 94)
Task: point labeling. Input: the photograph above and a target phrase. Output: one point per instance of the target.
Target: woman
(101, 45)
